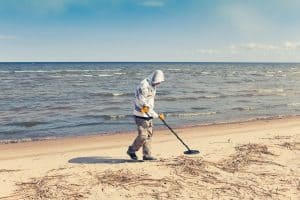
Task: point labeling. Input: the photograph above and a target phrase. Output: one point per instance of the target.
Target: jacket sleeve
(141, 94)
(153, 114)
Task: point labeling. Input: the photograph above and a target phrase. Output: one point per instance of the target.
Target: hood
(156, 77)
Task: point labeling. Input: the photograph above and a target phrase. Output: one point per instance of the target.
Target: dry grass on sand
(251, 172)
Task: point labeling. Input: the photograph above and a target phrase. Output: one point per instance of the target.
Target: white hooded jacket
(145, 94)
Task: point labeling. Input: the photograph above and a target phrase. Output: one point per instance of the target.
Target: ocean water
(49, 100)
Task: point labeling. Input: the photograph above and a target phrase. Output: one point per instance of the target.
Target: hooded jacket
(145, 94)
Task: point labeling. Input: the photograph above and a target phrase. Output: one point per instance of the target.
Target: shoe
(149, 158)
(132, 155)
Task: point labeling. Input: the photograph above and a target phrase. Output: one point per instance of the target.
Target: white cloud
(257, 46)
(152, 3)
(255, 51)
(291, 45)
(206, 51)
(286, 46)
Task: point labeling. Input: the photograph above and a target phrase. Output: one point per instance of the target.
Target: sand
(248, 160)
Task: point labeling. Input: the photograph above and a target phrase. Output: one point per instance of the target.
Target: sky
(150, 30)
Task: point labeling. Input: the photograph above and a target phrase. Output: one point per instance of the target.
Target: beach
(256, 159)
(80, 80)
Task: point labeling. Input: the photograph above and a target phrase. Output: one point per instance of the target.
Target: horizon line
(246, 62)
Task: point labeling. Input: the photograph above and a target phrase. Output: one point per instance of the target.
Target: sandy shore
(248, 160)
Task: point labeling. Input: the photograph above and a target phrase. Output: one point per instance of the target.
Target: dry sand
(249, 160)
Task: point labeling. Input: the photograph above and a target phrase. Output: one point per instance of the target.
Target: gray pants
(145, 132)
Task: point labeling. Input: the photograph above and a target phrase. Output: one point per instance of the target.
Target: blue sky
(150, 30)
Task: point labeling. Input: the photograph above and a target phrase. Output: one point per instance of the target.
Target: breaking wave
(190, 114)
(111, 94)
(108, 117)
(294, 104)
(243, 108)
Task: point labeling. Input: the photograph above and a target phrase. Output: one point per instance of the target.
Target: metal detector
(189, 151)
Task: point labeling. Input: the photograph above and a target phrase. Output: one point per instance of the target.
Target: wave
(190, 114)
(120, 73)
(120, 94)
(297, 72)
(35, 71)
(174, 69)
(232, 82)
(205, 73)
(17, 109)
(115, 117)
(82, 75)
(108, 117)
(10, 141)
(28, 124)
(256, 73)
(199, 108)
(294, 104)
(105, 75)
(256, 92)
(243, 108)
(111, 94)
(189, 98)
(271, 92)
(87, 75)
(59, 107)
(116, 108)
(243, 101)
(210, 97)
(278, 73)
(63, 71)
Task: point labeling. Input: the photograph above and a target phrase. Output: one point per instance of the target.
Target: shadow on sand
(101, 160)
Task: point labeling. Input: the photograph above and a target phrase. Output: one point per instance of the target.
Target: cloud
(291, 45)
(207, 51)
(152, 3)
(7, 37)
(286, 46)
(257, 46)
(254, 51)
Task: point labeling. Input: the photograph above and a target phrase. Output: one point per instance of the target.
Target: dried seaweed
(291, 145)
(50, 187)
(202, 175)
(205, 176)
(9, 170)
(190, 177)
(188, 166)
(245, 155)
(164, 187)
(280, 137)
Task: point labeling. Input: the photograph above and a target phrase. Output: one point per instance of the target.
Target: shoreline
(77, 142)
(26, 140)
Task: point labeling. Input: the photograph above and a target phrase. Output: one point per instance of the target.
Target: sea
(50, 100)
